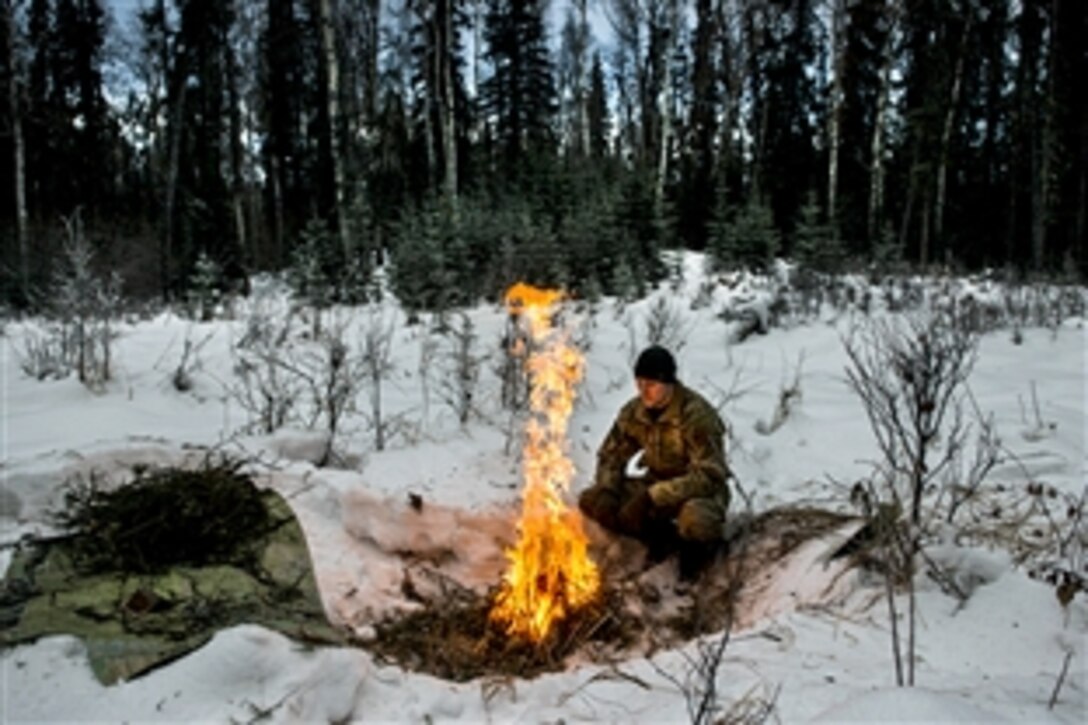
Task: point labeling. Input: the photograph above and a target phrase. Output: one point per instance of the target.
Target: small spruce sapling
(204, 285)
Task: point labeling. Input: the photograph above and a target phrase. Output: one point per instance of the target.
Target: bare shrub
(316, 383)
(910, 379)
(1037, 429)
(376, 360)
(748, 318)
(516, 346)
(704, 295)
(699, 683)
(182, 376)
(1059, 545)
(205, 284)
(1043, 527)
(513, 371)
(903, 294)
(664, 325)
(970, 466)
(909, 376)
(1041, 305)
(753, 708)
(789, 394)
(262, 385)
(85, 303)
(43, 355)
(334, 379)
(462, 369)
(428, 351)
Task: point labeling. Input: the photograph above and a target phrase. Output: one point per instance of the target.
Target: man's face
(653, 393)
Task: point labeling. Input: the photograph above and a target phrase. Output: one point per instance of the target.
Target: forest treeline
(464, 144)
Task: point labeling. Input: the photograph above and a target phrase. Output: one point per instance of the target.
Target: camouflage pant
(630, 511)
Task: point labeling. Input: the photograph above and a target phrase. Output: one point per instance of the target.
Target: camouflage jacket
(684, 449)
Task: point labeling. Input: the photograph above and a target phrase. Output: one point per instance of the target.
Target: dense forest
(459, 145)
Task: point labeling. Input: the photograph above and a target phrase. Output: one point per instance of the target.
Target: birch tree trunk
(430, 140)
(755, 29)
(373, 39)
(18, 152)
(834, 119)
(449, 128)
(732, 69)
(327, 19)
(1042, 182)
(876, 149)
(477, 45)
(236, 151)
(946, 132)
(1040, 170)
(626, 19)
(166, 260)
(908, 209)
(664, 114)
(580, 80)
(924, 231)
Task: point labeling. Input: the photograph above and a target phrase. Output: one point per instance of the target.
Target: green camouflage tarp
(133, 623)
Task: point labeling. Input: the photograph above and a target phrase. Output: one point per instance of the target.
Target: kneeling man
(677, 501)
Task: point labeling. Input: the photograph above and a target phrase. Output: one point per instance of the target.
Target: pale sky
(123, 9)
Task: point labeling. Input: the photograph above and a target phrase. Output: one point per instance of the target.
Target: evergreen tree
(13, 185)
(817, 247)
(696, 198)
(1067, 212)
(643, 228)
(520, 93)
(390, 183)
(202, 218)
(441, 111)
(744, 238)
(573, 79)
(289, 104)
(204, 286)
(888, 255)
(789, 163)
(312, 266)
(624, 284)
(70, 126)
(597, 113)
(985, 130)
(422, 275)
(934, 43)
(585, 228)
(721, 112)
(39, 140)
(866, 28)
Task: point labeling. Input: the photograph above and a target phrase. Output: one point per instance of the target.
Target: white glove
(634, 467)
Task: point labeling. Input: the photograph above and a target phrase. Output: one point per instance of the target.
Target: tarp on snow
(133, 623)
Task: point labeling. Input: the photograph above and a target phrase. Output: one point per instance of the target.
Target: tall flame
(550, 573)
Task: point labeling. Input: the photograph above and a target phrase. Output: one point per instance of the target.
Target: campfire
(554, 601)
(550, 574)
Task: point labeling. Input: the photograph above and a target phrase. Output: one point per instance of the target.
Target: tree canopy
(469, 141)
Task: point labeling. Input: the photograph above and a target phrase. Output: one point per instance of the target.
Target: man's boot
(661, 541)
(695, 557)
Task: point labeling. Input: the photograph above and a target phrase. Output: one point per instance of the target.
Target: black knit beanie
(656, 363)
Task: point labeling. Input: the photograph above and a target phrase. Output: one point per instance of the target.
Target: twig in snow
(1061, 680)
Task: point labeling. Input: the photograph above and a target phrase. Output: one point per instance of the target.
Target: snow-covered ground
(811, 654)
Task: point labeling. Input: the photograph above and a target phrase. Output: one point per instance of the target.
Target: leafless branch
(909, 377)
(1061, 680)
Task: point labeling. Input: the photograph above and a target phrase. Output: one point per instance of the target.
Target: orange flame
(550, 573)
